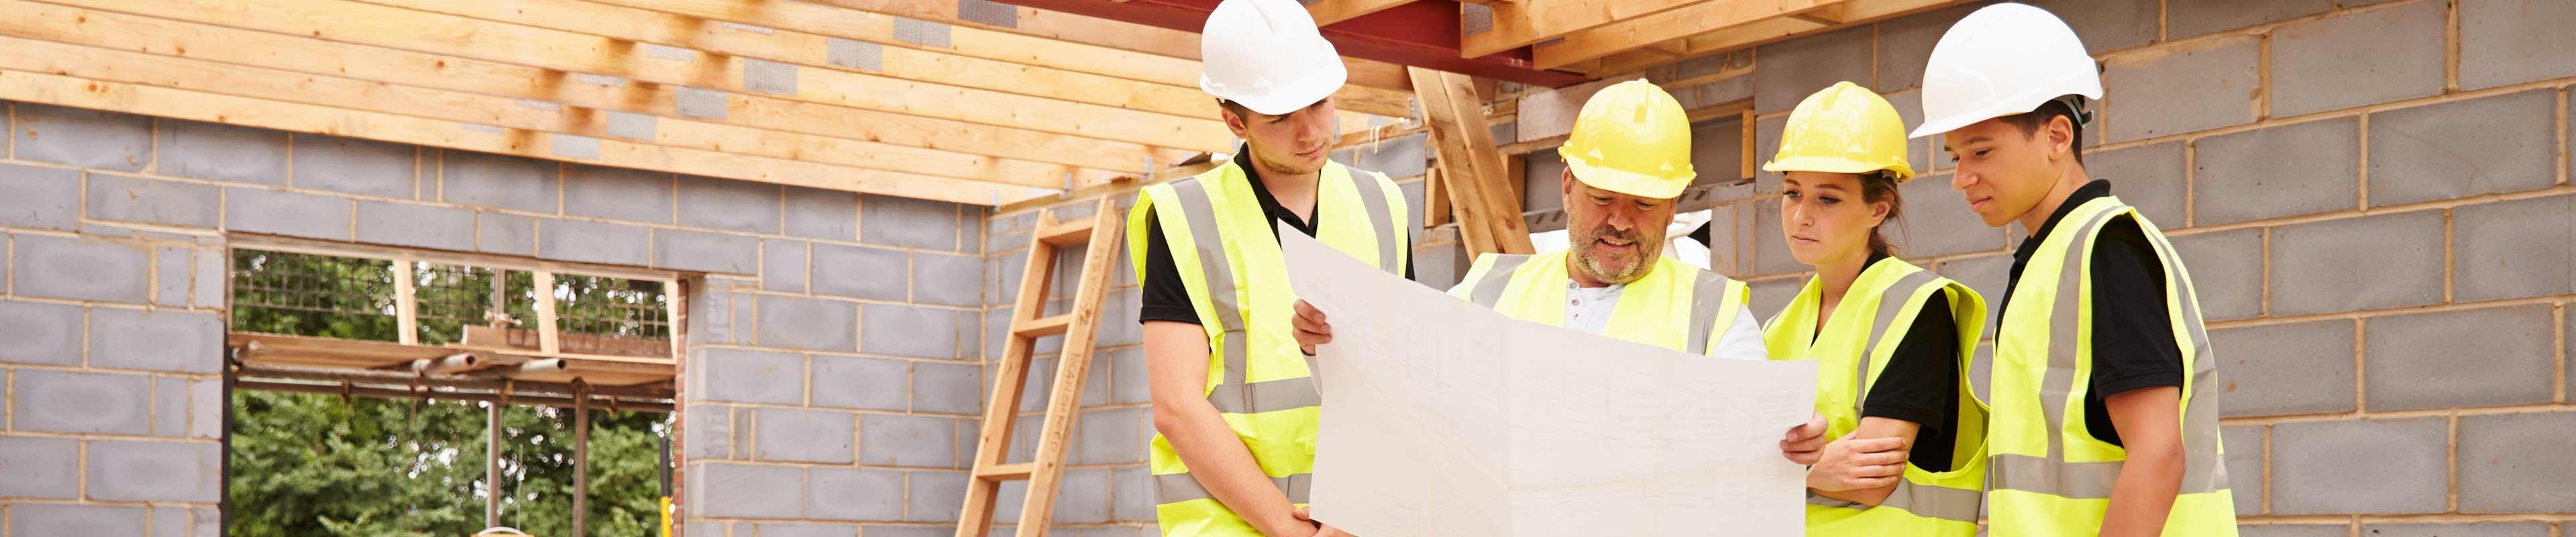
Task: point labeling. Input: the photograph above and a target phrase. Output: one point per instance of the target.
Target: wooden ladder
(1001, 412)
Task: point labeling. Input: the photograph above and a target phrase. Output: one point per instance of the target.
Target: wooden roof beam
(1532, 21)
(1327, 12)
(1721, 25)
(392, 27)
(810, 53)
(1093, 31)
(353, 94)
(420, 70)
(279, 115)
(1178, 96)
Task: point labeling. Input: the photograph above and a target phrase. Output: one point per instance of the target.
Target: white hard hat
(1268, 56)
(2002, 60)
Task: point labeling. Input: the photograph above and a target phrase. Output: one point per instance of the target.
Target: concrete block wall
(834, 386)
(831, 375)
(2373, 200)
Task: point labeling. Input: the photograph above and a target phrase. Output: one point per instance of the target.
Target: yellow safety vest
(1676, 306)
(2051, 477)
(1871, 320)
(1229, 260)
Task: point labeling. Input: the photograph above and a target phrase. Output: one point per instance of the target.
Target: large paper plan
(1444, 418)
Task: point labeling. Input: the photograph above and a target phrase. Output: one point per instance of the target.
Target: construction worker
(2102, 421)
(1626, 162)
(1893, 341)
(1234, 409)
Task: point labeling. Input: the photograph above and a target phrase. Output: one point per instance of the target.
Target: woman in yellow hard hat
(1897, 447)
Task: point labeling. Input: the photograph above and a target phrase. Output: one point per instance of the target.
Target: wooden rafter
(352, 94)
(1327, 12)
(405, 69)
(1471, 169)
(810, 51)
(553, 49)
(1107, 33)
(1532, 21)
(299, 117)
(978, 41)
(1712, 26)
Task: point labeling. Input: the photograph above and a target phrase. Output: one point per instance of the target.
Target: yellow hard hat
(1631, 138)
(1843, 129)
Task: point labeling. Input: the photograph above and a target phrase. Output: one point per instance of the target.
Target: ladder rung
(1044, 326)
(1007, 472)
(1066, 233)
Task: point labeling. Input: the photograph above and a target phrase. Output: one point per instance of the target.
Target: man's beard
(1645, 251)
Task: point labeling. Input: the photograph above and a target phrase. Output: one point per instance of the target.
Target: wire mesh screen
(356, 298)
(313, 295)
(454, 298)
(604, 315)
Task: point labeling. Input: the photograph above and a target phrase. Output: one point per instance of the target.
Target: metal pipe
(492, 467)
(581, 461)
(452, 362)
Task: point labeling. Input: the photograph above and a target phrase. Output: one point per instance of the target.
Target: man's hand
(1803, 443)
(1321, 530)
(1311, 328)
(1858, 463)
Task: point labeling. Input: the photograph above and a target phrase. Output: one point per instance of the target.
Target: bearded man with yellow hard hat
(1627, 162)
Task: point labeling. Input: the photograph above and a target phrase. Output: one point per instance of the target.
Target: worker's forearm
(2144, 495)
(1868, 496)
(1217, 459)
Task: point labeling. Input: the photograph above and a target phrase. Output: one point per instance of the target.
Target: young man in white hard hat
(2103, 421)
(1234, 407)
(1627, 161)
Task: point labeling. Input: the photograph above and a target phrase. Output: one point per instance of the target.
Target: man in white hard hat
(2102, 417)
(1234, 406)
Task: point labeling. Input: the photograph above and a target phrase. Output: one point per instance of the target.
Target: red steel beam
(1424, 33)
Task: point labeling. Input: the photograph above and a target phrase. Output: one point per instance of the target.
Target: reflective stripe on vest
(1712, 300)
(1923, 502)
(2061, 486)
(1279, 407)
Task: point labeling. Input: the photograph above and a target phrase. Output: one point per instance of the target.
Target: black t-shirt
(1921, 383)
(1165, 298)
(2133, 342)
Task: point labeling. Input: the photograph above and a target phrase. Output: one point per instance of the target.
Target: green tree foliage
(311, 464)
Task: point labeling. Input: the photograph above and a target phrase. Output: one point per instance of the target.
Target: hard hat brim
(1326, 80)
(1625, 182)
(1904, 172)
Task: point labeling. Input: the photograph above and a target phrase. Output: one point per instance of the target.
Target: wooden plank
(500, 339)
(1531, 21)
(1692, 18)
(1471, 168)
(1006, 471)
(809, 50)
(405, 68)
(1450, 163)
(548, 326)
(1327, 12)
(254, 82)
(406, 306)
(1074, 28)
(1700, 31)
(208, 107)
(352, 22)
